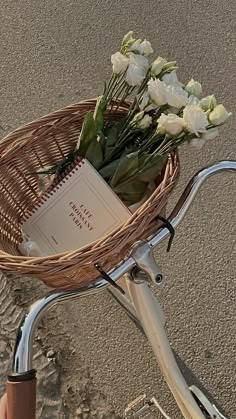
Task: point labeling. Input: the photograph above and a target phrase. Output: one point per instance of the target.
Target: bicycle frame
(21, 386)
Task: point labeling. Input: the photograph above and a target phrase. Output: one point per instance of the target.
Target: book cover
(78, 210)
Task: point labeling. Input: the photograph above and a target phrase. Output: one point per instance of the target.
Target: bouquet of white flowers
(164, 113)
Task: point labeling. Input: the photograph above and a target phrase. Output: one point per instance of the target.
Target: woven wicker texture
(42, 143)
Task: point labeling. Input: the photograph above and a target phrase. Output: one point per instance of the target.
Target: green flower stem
(114, 83)
(110, 86)
(128, 118)
(122, 99)
(118, 89)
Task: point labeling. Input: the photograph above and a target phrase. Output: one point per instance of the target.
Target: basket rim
(7, 143)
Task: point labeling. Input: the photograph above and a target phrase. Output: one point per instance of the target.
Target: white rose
(195, 119)
(210, 134)
(176, 97)
(193, 100)
(157, 92)
(161, 94)
(119, 63)
(172, 124)
(137, 69)
(157, 66)
(208, 102)
(197, 143)
(219, 115)
(171, 79)
(145, 122)
(146, 48)
(194, 88)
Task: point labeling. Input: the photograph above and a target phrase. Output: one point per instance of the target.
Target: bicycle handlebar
(179, 211)
(22, 361)
(190, 192)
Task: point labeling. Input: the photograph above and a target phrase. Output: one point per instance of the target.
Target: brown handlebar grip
(21, 399)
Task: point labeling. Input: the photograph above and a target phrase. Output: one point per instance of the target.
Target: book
(76, 210)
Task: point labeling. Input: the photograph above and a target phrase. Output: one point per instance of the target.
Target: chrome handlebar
(175, 218)
(22, 359)
(189, 194)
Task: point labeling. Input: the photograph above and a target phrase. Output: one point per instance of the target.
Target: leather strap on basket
(171, 229)
(108, 278)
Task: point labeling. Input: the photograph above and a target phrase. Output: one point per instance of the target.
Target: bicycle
(140, 269)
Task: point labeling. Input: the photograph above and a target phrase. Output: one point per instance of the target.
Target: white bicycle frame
(143, 305)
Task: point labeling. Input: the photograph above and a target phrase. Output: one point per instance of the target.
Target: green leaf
(88, 133)
(112, 137)
(102, 141)
(98, 113)
(152, 170)
(131, 192)
(127, 167)
(108, 171)
(94, 154)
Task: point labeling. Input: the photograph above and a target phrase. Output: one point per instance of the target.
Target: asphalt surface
(54, 53)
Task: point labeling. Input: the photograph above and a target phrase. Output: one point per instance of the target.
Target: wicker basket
(42, 143)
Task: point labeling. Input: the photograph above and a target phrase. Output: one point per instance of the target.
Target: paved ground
(54, 53)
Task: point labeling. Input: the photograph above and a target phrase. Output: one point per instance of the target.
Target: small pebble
(208, 354)
(51, 354)
(86, 409)
(79, 411)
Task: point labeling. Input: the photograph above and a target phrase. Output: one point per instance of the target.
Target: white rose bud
(128, 38)
(136, 47)
(145, 122)
(146, 48)
(172, 124)
(119, 63)
(193, 100)
(219, 115)
(210, 134)
(137, 70)
(157, 66)
(145, 100)
(157, 92)
(194, 88)
(171, 79)
(170, 66)
(195, 119)
(138, 117)
(143, 48)
(208, 103)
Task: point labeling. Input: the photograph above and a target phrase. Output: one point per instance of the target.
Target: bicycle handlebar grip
(21, 396)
